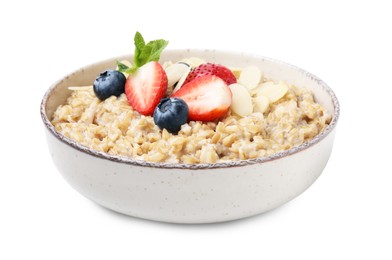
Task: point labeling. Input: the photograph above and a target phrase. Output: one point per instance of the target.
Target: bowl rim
(225, 164)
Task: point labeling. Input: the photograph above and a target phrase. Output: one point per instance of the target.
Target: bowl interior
(271, 69)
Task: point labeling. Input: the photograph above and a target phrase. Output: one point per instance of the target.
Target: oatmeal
(114, 127)
(190, 111)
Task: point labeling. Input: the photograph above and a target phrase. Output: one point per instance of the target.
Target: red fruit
(208, 98)
(146, 87)
(212, 69)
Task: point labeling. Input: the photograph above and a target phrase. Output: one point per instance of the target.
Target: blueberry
(109, 83)
(171, 114)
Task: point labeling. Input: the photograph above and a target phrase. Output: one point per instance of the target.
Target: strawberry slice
(146, 87)
(208, 98)
(212, 69)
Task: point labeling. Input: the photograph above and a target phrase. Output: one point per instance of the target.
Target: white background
(346, 214)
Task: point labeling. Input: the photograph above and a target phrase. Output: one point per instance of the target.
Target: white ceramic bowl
(202, 193)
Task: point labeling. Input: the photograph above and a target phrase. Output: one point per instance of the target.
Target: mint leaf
(121, 66)
(150, 52)
(139, 41)
(157, 48)
(144, 53)
(139, 46)
(130, 70)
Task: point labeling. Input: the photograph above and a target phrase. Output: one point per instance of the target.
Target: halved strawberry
(146, 87)
(208, 98)
(212, 69)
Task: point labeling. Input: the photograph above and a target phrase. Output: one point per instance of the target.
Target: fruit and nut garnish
(188, 111)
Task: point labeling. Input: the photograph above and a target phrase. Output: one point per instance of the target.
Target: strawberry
(146, 87)
(208, 98)
(212, 69)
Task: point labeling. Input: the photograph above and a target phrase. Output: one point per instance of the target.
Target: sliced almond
(174, 73)
(241, 102)
(167, 64)
(182, 79)
(126, 62)
(193, 61)
(261, 103)
(250, 77)
(254, 91)
(273, 91)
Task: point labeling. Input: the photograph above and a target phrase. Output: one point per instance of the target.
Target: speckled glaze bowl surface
(200, 193)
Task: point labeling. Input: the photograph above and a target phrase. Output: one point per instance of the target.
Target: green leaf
(139, 41)
(131, 70)
(157, 48)
(121, 66)
(139, 46)
(145, 53)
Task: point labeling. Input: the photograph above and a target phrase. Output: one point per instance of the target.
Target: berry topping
(146, 87)
(208, 98)
(171, 114)
(109, 83)
(212, 69)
